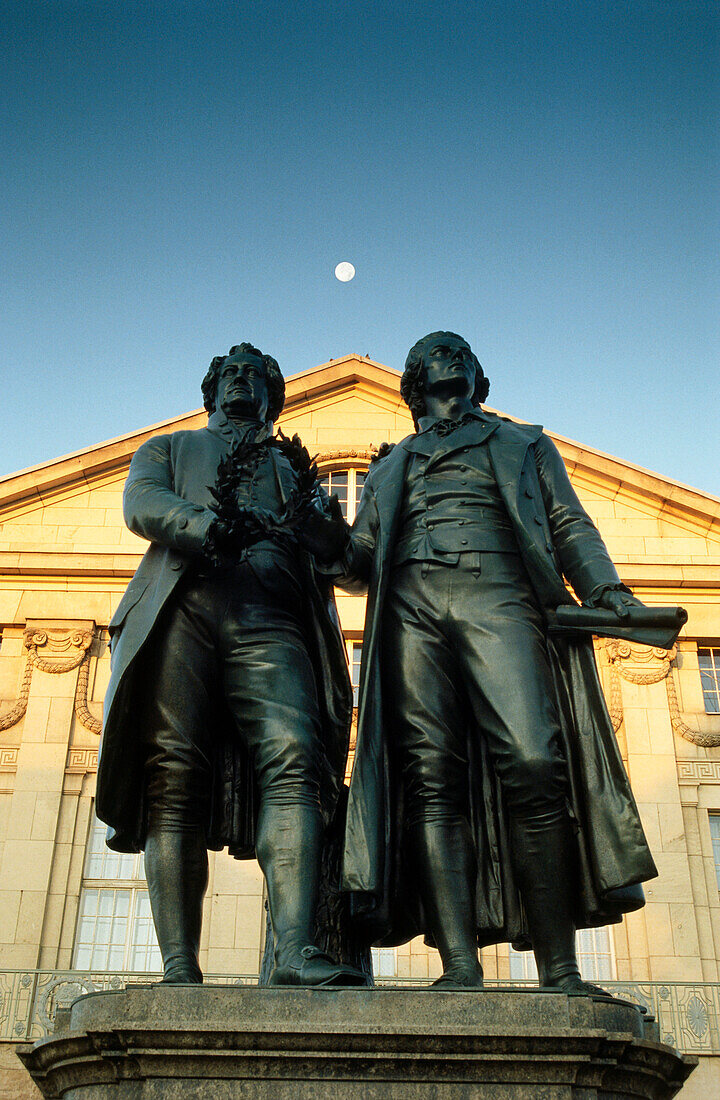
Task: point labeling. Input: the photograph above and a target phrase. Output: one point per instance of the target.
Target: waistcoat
(451, 506)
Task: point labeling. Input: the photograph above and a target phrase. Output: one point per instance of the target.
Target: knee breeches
(464, 655)
(214, 652)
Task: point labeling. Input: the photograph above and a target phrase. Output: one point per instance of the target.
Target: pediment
(339, 378)
(351, 404)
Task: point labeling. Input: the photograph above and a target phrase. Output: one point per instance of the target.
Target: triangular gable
(346, 406)
(340, 376)
(357, 402)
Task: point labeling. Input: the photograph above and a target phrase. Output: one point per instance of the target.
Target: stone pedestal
(219, 1042)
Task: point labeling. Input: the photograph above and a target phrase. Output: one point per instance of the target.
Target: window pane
(709, 664)
(119, 937)
(145, 958)
(115, 929)
(596, 957)
(96, 852)
(83, 958)
(102, 863)
(102, 929)
(106, 903)
(384, 962)
(91, 904)
(144, 952)
(337, 482)
(355, 659)
(122, 903)
(715, 834)
(595, 954)
(522, 965)
(115, 958)
(359, 482)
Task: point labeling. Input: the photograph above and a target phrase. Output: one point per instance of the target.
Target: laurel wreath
(243, 527)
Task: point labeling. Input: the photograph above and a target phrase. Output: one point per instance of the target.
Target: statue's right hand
(219, 534)
(231, 537)
(324, 534)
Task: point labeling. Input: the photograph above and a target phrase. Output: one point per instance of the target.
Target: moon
(344, 272)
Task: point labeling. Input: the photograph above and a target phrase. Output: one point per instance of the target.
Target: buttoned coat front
(167, 501)
(556, 539)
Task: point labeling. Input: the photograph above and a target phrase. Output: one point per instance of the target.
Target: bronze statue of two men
(488, 799)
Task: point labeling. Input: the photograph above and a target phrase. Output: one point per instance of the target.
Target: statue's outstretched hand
(620, 602)
(323, 534)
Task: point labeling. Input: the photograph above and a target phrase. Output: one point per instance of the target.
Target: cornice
(42, 481)
(48, 563)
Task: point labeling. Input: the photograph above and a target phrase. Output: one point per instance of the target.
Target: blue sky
(538, 176)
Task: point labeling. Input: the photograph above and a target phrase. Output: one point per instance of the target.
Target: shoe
(576, 986)
(182, 974)
(457, 977)
(316, 970)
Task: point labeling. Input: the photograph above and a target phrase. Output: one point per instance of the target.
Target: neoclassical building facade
(75, 916)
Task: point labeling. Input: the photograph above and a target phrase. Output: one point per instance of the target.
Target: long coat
(167, 500)
(556, 538)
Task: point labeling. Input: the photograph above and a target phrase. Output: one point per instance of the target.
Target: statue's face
(449, 366)
(242, 386)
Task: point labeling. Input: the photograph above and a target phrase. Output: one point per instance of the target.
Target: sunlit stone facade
(65, 559)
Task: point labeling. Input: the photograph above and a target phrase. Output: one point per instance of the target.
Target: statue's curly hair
(273, 377)
(412, 383)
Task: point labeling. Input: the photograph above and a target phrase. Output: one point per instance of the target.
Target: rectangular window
(103, 863)
(595, 954)
(354, 658)
(715, 834)
(384, 962)
(709, 663)
(115, 929)
(522, 965)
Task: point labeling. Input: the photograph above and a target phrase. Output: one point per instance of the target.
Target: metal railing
(688, 1013)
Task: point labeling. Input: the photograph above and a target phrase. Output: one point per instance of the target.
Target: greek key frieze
(698, 771)
(8, 758)
(80, 761)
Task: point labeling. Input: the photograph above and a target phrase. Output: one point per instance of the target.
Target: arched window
(347, 484)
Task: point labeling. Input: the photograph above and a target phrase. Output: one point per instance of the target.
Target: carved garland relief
(649, 665)
(357, 454)
(63, 643)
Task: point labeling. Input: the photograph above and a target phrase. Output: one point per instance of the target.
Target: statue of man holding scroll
(488, 799)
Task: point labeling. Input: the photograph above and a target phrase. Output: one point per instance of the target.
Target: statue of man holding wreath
(228, 711)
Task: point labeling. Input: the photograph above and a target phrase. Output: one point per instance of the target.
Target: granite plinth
(167, 1042)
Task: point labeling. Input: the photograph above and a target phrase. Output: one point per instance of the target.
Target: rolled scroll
(654, 626)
